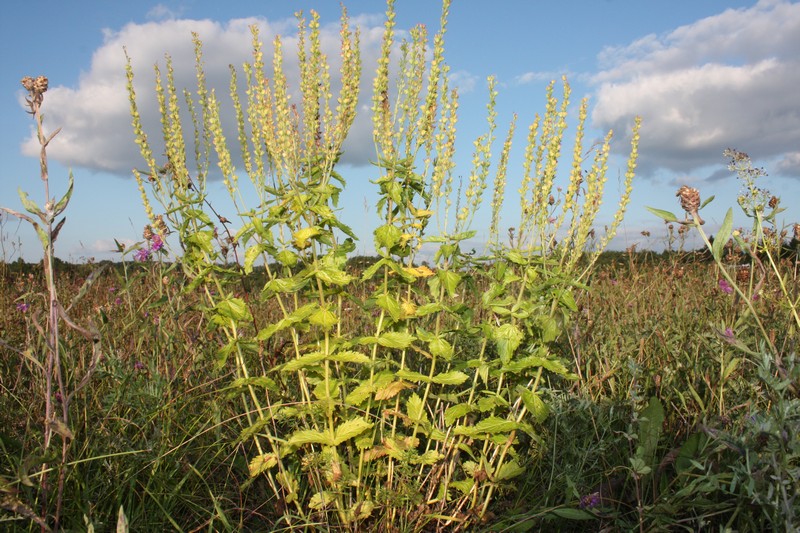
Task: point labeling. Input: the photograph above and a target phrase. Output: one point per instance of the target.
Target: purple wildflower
(590, 500)
(157, 243)
(23, 307)
(142, 254)
(118, 301)
(725, 287)
(138, 365)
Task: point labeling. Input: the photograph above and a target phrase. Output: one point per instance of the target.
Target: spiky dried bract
(690, 199)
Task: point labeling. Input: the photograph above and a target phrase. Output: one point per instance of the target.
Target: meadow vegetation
(245, 371)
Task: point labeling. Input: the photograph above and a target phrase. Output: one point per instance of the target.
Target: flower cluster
(23, 307)
(154, 244)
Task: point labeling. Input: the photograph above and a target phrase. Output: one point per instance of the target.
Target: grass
(157, 431)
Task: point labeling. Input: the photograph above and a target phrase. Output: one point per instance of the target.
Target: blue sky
(705, 76)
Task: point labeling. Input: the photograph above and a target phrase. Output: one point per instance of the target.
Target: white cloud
(95, 115)
(728, 80)
(161, 12)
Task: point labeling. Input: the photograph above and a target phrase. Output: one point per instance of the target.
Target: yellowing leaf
(418, 272)
(262, 463)
(392, 389)
(310, 436)
(302, 237)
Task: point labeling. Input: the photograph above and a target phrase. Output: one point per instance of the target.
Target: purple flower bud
(725, 287)
(23, 307)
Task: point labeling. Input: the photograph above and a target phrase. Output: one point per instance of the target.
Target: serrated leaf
(392, 389)
(412, 376)
(387, 236)
(350, 356)
(390, 304)
(233, 309)
(321, 500)
(302, 237)
(310, 436)
(396, 339)
(507, 339)
(250, 255)
(454, 377)
(415, 409)
(323, 318)
(428, 458)
(723, 235)
(535, 405)
(351, 428)
(304, 361)
(449, 280)
(261, 463)
(439, 347)
(495, 424)
(454, 412)
(509, 470)
(660, 213)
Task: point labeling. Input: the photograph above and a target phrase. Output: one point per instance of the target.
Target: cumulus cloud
(97, 133)
(729, 80)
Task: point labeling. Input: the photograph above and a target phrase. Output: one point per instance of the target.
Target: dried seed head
(147, 233)
(159, 225)
(773, 202)
(797, 232)
(690, 199)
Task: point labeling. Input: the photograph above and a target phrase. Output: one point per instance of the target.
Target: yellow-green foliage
(435, 402)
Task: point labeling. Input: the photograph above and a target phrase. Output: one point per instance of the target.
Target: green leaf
(234, 309)
(660, 213)
(387, 236)
(310, 436)
(707, 201)
(62, 204)
(296, 317)
(507, 338)
(389, 303)
(491, 426)
(415, 409)
(534, 404)
(412, 376)
(573, 514)
(396, 339)
(350, 357)
(509, 470)
(453, 377)
(651, 420)
(333, 276)
(323, 318)
(304, 361)
(449, 280)
(454, 412)
(321, 500)
(723, 235)
(351, 428)
(439, 347)
(250, 256)
(29, 205)
(283, 285)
